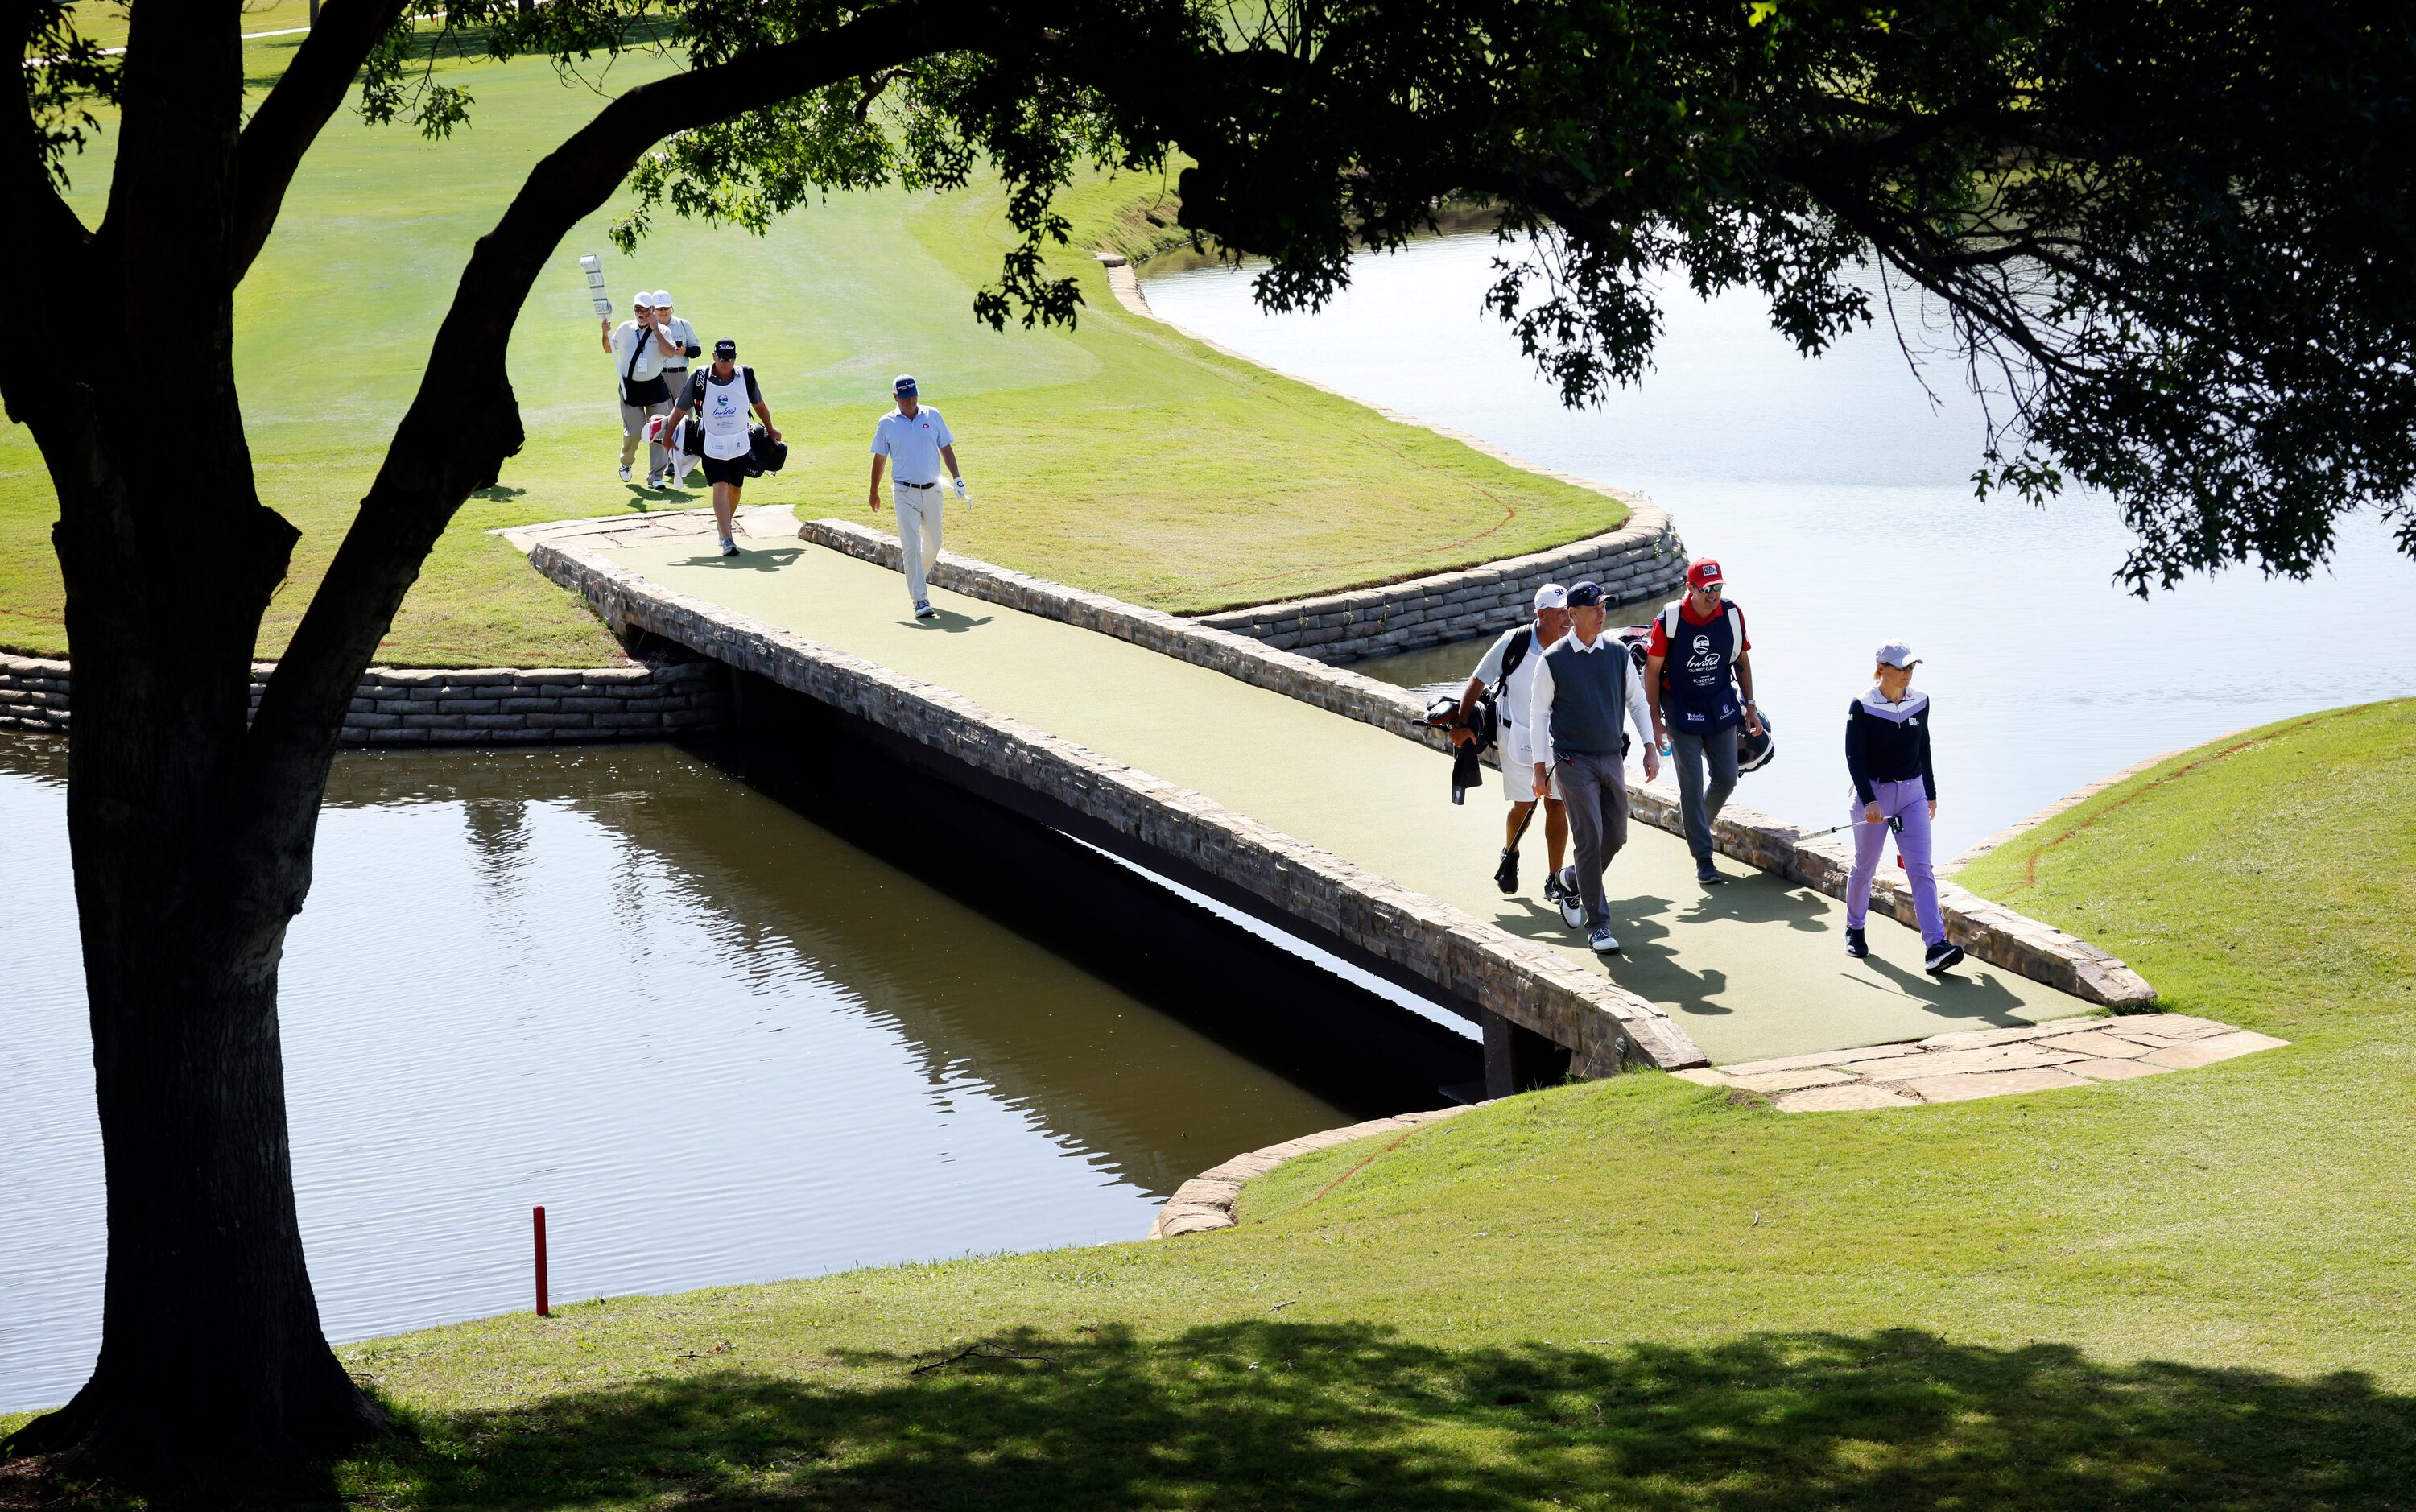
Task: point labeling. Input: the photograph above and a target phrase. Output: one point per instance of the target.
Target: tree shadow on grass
(1267, 1415)
(1276, 1415)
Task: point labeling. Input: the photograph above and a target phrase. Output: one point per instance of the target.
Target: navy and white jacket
(1889, 741)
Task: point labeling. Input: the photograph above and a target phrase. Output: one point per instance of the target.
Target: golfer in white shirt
(912, 441)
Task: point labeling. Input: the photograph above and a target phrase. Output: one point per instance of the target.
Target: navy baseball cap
(725, 348)
(904, 385)
(1585, 596)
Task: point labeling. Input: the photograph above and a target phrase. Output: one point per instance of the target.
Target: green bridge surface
(1752, 969)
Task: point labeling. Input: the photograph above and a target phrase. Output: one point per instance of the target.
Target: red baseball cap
(1702, 572)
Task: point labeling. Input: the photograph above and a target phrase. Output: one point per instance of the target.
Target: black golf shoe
(1856, 945)
(1941, 958)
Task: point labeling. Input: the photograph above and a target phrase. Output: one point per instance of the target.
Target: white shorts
(1519, 777)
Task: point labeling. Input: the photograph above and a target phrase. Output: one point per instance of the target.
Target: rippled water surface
(717, 1042)
(1839, 501)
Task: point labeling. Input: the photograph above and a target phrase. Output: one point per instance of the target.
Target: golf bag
(763, 454)
(1467, 771)
(681, 447)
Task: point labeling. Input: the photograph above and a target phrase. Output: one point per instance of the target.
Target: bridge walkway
(1753, 970)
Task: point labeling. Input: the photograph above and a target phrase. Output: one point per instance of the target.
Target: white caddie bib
(723, 415)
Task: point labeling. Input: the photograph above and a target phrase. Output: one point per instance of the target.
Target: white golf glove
(961, 488)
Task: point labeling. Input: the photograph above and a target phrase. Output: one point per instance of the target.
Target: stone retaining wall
(1605, 1027)
(478, 706)
(1641, 562)
(33, 695)
(1986, 931)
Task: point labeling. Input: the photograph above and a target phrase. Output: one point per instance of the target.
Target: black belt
(903, 484)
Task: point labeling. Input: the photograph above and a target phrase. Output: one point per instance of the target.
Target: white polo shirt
(650, 356)
(912, 446)
(1511, 706)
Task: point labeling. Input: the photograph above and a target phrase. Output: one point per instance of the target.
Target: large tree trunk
(211, 1349)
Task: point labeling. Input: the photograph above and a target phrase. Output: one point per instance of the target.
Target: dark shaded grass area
(1265, 1414)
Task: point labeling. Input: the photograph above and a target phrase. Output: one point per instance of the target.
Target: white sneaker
(923, 608)
(728, 547)
(1604, 942)
(1572, 905)
(625, 474)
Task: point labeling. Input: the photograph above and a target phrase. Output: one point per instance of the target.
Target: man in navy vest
(1585, 684)
(1701, 684)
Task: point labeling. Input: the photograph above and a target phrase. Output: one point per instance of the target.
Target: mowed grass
(2186, 1291)
(1119, 456)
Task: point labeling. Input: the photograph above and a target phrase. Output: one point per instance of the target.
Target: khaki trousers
(918, 533)
(633, 430)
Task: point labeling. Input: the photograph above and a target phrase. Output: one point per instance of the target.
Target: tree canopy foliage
(2169, 242)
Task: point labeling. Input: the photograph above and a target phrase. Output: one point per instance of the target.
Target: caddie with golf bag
(1700, 680)
(720, 396)
(1507, 674)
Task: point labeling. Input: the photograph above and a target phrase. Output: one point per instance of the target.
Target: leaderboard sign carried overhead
(594, 267)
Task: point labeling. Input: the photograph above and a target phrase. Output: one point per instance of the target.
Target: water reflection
(1836, 496)
(719, 1043)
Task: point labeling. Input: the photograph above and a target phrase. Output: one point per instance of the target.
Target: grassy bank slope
(1119, 456)
(2183, 1290)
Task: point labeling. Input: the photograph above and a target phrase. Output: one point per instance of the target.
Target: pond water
(717, 1042)
(1837, 500)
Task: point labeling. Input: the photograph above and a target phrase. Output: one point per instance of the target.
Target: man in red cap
(1700, 682)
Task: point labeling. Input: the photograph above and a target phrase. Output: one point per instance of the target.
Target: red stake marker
(542, 1311)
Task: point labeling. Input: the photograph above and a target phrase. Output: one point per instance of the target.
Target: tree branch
(290, 119)
(461, 426)
(47, 233)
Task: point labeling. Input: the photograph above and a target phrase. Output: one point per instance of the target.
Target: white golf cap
(662, 299)
(1552, 596)
(642, 300)
(1897, 653)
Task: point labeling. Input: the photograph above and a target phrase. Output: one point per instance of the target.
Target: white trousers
(918, 533)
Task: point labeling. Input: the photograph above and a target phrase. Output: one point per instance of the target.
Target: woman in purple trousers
(1887, 755)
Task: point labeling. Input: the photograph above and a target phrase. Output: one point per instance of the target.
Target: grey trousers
(1700, 807)
(1595, 790)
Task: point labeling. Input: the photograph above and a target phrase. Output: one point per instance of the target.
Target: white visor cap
(1897, 653)
(1552, 596)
